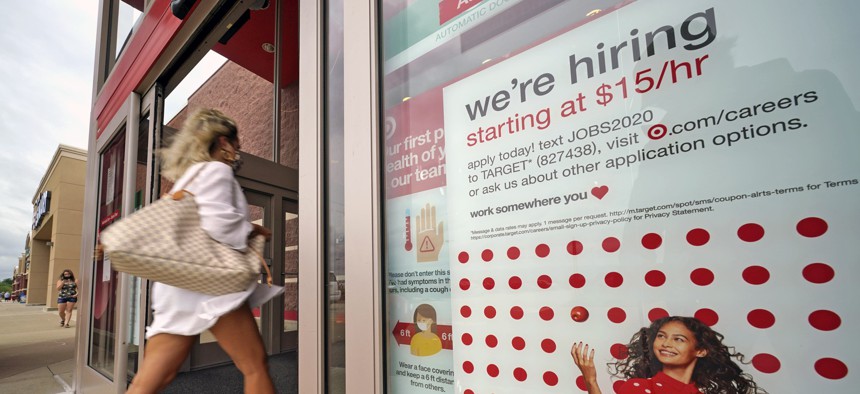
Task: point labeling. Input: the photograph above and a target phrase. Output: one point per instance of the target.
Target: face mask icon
(423, 326)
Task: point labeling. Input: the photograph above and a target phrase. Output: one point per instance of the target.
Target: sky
(47, 49)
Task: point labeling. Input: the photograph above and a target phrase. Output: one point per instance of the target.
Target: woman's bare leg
(62, 309)
(163, 356)
(237, 334)
(70, 307)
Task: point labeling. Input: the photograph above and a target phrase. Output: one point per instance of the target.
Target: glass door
(290, 274)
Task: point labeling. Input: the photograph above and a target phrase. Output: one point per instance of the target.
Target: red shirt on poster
(658, 384)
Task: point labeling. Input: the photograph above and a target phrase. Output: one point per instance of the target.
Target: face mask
(423, 326)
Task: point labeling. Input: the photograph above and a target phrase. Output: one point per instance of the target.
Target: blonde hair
(194, 142)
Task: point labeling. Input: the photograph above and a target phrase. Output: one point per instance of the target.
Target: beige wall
(61, 226)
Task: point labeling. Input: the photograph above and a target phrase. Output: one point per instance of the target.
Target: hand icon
(429, 235)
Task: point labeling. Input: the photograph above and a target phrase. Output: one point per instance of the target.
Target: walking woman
(67, 287)
(202, 159)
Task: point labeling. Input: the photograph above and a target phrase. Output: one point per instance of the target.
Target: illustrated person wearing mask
(674, 355)
(205, 151)
(425, 342)
(67, 296)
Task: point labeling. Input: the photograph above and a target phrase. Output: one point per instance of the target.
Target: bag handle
(265, 267)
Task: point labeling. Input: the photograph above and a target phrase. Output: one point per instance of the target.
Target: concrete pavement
(36, 354)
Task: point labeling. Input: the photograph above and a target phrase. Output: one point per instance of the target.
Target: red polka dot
(548, 345)
(546, 313)
(463, 257)
(756, 275)
(761, 318)
(580, 383)
(702, 276)
(825, 320)
(544, 281)
(468, 367)
(655, 278)
(698, 237)
(464, 284)
(619, 351)
(465, 311)
(812, 227)
(574, 247)
(652, 241)
(831, 368)
(818, 273)
(487, 255)
(466, 339)
(750, 232)
(490, 312)
(616, 315)
(515, 282)
(550, 378)
(513, 253)
(577, 281)
(468, 392)
(657, 313)
(520, 374)
(542, 250)
(518, 343)
(492, 370)
(491, 340)
(517, 313)
(707, 316)
(611, 244)
(765, 363)
(616, 386)
(489, 283)
(613, 279)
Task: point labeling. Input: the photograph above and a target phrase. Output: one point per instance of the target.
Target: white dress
(224, 216)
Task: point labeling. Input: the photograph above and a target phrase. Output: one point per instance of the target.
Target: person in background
(674, 355)
(202, 159)
(67, 296)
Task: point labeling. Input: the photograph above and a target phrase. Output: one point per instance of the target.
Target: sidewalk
(36, 354)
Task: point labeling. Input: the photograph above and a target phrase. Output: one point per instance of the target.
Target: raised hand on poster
(584, 360)
(429, 235)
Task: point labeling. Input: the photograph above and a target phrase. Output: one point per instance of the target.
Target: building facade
(461, 191)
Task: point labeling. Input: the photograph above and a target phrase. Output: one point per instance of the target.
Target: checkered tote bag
(164, 242)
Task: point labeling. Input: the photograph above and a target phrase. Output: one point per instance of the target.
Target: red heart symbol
(600, 191)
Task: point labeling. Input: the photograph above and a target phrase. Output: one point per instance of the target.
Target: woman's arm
(59, 284)
(584, 360)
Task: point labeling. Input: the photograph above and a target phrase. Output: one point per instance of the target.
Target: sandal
(62, 323)
(67, 326)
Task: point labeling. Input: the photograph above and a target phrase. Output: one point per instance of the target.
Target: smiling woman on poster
(674, 355)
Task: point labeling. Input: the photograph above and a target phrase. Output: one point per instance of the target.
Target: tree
(6, 285)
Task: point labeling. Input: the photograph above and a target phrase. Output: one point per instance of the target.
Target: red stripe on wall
(155, 32)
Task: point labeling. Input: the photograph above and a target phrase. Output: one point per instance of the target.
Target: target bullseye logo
(657, 131)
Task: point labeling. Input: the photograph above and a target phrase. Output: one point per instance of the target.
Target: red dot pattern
(825, 320)
(655, 278)
(651, 241)
(818, 273)
(751, 232)
(613, 279)
(815, 273)
(544, 281)
(831, 368)
(577, 281)
(520, 374)
(761, 318)
(756, 275)
(698, 237)
(766, 363)
(812, 227)
(616, 315)
(542, 250)
(611, 244)
(487, 255)
(574, 247)
(580, 383)
(702, 276)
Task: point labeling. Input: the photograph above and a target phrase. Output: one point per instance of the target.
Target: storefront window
(335, 263)
(105, 281)
(565, 172)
